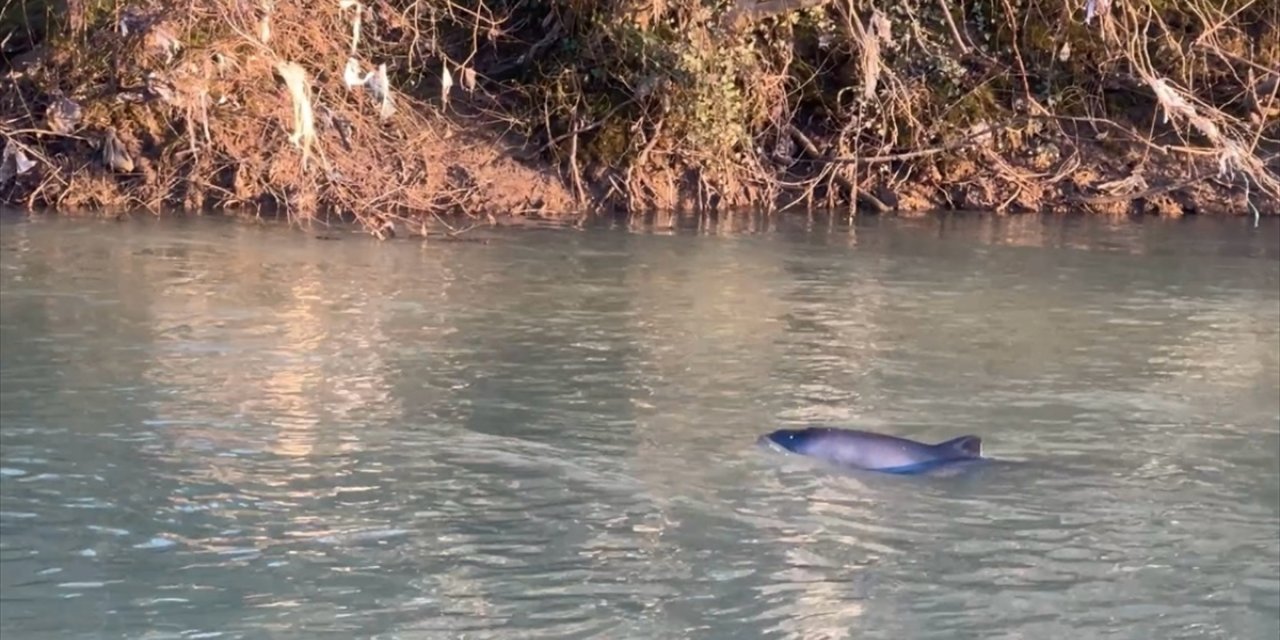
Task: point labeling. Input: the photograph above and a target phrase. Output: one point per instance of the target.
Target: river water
(217, 429)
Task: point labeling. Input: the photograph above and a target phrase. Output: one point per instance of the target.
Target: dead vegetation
(399, 110)
(262, 106)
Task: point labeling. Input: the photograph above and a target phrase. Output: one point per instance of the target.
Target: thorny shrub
(746, 102)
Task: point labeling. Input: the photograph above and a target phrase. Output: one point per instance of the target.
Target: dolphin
(874, 451)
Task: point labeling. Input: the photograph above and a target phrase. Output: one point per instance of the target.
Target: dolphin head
(789, 439)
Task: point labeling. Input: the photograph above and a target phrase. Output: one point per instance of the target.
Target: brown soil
(211, 125)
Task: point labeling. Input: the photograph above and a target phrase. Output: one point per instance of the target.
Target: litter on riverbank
(395, 112)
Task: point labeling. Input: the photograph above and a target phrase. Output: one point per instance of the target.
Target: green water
(211, 429)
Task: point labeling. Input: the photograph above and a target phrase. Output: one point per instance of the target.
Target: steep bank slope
(391, 109)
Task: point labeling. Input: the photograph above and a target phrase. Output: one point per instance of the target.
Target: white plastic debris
(14, 162)
(160, 87)
(155, 34)
(264, 21)
(375, 81)
(162, 38)
(304, 132)
(351, 74)
(63, 115)
(446, 82)
(132, 21)
(381, 88)
(355, 20)
(468, 79)
(879, 32)
(114, 154)
(1095, 8)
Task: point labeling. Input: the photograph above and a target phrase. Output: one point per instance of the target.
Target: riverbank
(396, 112)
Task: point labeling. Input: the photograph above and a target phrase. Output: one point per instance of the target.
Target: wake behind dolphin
(874, 451)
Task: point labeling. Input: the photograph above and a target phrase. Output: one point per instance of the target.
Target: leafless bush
(363, 106)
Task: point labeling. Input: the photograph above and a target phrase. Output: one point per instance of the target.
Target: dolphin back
(881, 452)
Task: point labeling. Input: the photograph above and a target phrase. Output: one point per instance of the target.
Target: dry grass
(246, 106)
(1010, 105)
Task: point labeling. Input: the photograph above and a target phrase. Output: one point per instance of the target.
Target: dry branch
(349, 106)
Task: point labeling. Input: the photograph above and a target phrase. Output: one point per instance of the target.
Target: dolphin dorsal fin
(968, 446)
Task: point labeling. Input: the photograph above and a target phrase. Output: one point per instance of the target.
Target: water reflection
(218, 428)
(301, 356)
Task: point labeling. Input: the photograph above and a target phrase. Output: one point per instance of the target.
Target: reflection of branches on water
(1231, 353)
(287, 388)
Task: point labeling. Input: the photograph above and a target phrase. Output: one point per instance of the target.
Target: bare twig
(812, 151)
(945, 8)
(1146, 193)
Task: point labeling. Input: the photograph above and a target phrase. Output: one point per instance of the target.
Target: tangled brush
(232, 104)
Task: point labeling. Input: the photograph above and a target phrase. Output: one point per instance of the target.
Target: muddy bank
(407, 111)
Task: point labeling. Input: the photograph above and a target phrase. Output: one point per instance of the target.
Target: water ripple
(249, 433)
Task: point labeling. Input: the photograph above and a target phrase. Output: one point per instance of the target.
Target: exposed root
(397, 111)
(234, 105)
